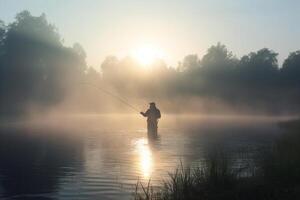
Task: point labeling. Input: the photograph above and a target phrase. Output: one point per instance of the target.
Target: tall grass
(278, 176)
(282, 164)
(192, 182)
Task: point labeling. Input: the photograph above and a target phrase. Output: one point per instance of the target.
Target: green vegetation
(277, 176)
(282, 166)
(38, 71)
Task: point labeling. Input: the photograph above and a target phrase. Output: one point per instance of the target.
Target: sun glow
(146, 55)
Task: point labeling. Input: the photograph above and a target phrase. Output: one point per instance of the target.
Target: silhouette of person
(152, 114)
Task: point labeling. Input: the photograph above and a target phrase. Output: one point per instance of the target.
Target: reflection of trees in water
(238, 140)
(32, 162)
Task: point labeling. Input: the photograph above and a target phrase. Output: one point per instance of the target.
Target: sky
(175, 27)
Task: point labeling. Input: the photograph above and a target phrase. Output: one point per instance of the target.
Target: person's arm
(145, 114)
(142, 113)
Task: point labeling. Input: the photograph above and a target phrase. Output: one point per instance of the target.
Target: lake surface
(102, 157)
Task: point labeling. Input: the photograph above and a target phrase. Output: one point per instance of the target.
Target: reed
(278, 176)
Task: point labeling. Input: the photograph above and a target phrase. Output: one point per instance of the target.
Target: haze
(149, 100)
(175, 27)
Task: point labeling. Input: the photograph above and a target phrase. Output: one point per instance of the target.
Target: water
(102, 157)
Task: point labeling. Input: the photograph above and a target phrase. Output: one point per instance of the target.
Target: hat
(152, 103)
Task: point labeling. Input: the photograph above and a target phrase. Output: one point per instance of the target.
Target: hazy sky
(177, 27)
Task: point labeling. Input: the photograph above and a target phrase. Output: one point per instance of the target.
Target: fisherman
(152, 114)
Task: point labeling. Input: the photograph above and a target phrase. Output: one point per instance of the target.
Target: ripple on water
(107, 164)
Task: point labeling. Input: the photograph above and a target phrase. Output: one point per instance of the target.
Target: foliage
(277, 176)
(36, 68)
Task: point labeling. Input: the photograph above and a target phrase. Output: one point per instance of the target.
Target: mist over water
(72, 131)
(102, 156)
(38, 73)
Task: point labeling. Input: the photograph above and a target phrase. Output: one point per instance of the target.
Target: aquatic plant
(278, 175)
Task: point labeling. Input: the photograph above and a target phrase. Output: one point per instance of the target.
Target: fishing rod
(111, 94)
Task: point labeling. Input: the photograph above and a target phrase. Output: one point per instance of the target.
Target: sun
(146, 55)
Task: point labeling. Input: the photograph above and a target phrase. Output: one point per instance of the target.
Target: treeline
(253, 83)
(37, 69)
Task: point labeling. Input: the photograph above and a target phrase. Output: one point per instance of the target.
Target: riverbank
(276, 175)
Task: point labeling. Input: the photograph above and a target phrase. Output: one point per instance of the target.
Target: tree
(189, 62)
(36, 68)
(264, 59)
(2, 36)
(291, 69)
(218, 56)
(260, 68)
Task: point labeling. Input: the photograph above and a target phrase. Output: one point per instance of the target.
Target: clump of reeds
(282, 164)
(278, 176)
(191, 182)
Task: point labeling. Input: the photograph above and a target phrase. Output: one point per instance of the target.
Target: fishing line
(112, 95)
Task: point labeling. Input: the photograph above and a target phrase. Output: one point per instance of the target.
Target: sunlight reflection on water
(105, 157)
(144, 157)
